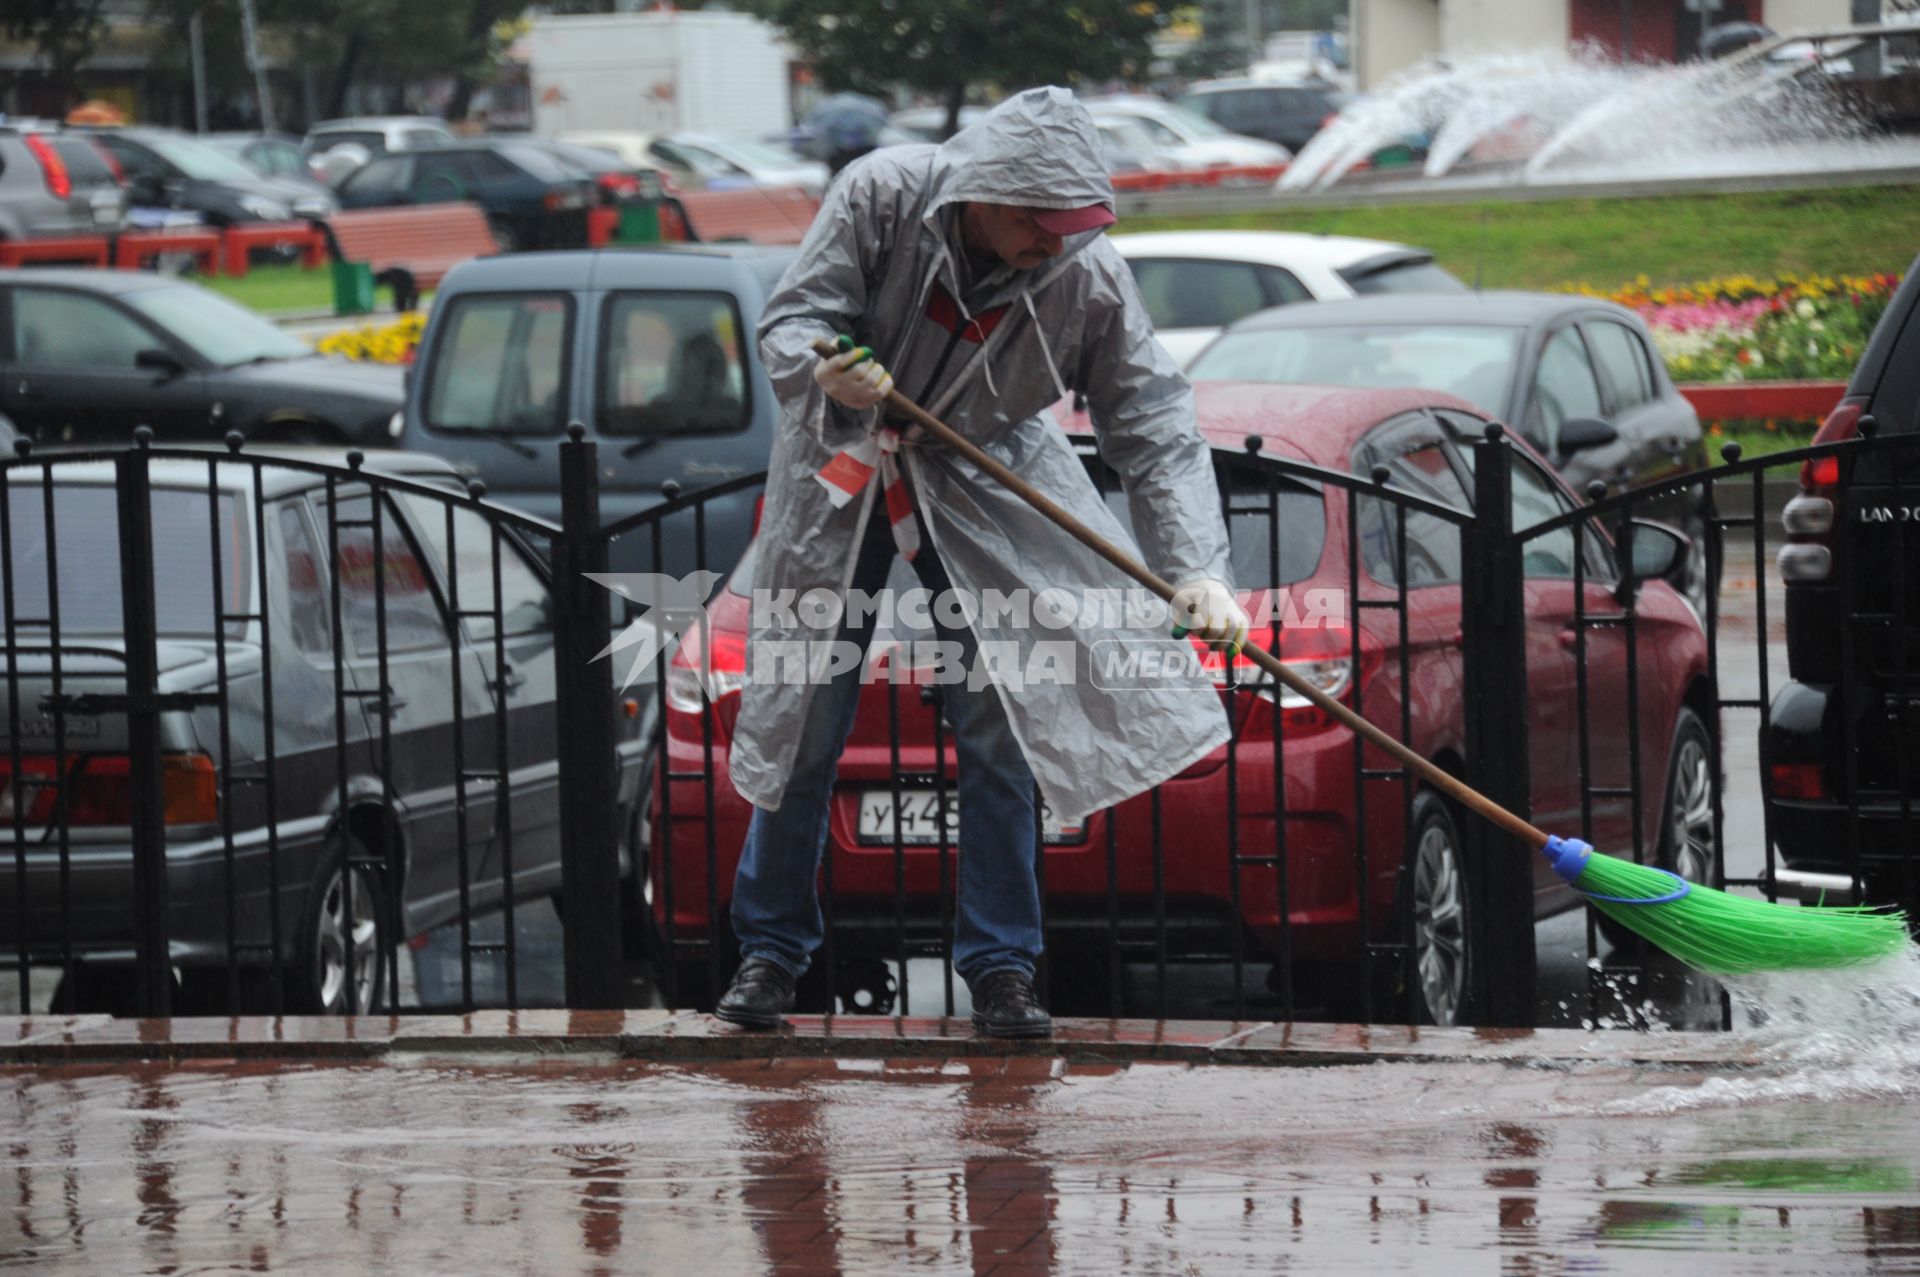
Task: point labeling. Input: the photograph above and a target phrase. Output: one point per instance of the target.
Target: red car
(1419, 437)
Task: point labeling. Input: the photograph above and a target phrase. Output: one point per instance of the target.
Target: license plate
(919, 819)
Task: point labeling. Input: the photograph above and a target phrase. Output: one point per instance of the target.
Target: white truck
(724, 74)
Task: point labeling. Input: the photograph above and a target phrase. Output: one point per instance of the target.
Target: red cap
(1071, 221)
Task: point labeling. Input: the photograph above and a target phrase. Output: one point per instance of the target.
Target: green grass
(1670, 239)
(276, 288)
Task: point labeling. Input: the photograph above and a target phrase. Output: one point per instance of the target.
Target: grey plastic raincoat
(880, 264)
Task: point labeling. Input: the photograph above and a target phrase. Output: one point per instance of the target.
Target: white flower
(1804, 308)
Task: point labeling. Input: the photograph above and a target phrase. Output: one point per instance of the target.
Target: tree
(64, 32)
(936, 46)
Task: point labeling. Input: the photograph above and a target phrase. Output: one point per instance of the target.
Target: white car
(1197, 282)
(741, 161)
(1186, 140)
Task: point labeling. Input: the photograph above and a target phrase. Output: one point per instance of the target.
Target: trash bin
(352, 288)
(639, 223)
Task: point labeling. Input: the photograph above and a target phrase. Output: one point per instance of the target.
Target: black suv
(1843, 738)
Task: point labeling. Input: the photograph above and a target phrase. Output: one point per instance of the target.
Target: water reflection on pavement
(1004, 1166)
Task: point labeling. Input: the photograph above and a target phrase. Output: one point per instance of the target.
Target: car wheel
(1438, 915)
(1687, 846)
(341, 937)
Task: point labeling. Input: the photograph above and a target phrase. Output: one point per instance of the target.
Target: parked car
(1197, 282)
(759, 163)
(393, 866)
(55, 182)
(534, 198)
(1578, 376)
(651, 350)
(166, 168)
(335, 148)
(635, 151)
(271, 154)
(1839, 742)
(1418, 435)
(1286, 112)
(613, 178)
(1188, 140)
(87, 355)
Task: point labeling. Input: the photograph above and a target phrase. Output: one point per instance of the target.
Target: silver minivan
(55, 182)
(651, 350)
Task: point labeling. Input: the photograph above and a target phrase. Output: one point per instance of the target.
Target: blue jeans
(776, 906)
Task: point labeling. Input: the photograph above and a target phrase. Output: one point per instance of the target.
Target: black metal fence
(283, 727)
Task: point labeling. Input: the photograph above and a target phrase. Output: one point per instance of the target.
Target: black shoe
(759, 997)
(1005, 1006)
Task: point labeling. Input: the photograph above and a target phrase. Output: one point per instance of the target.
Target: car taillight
(1808, 518)
(759, 508)
(100, 789)
(620, 183)
(1843, 423)
(52, 167)
(1798, 780)
(701, 674)
(1323, 656)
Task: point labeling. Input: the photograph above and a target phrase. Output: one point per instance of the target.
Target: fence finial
(22, 446)
(1380, 476)
(476, 488)
(576, 431)
(1253, 444)
(143, 437)
(670, 489)
(1494, 431)
(1730, 452)
(235, 441)
(1596, 489)
(355, 459)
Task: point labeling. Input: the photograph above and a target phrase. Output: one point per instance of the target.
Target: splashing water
(1842, 1033)
(1587, 109)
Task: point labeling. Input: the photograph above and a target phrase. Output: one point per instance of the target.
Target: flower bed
(393, 343)
(1795, 328)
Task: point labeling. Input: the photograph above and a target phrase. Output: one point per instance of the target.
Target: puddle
(974, 1166)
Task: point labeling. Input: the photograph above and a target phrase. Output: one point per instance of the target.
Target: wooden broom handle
(1454, 788)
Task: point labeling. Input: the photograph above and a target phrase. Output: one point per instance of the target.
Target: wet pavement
(583, 1142)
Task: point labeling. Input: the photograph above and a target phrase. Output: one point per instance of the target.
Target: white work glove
(854, 378)
(1208, 609)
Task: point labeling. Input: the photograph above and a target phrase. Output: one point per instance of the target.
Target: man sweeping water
(975, 274)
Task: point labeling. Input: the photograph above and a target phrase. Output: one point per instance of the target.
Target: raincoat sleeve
(1142, 412)
(825, 292)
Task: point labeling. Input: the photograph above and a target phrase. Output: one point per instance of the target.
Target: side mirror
(1653, 551)
(164, 362)
(1580, 433)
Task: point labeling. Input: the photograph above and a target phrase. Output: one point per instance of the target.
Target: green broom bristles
(1722, 933)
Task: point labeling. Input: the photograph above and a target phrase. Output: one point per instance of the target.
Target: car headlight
(265, 209)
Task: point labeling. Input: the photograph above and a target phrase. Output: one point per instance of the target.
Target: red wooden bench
(132, 249)
(770, 215)
(410, 248)
(90, 250)
(238, 242)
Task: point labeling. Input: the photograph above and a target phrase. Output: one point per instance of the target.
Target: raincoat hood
(1038, 149)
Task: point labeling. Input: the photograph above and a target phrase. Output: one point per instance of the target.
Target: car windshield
(1472, 361)
(86, 530)
(199, 161)
(223, 332)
